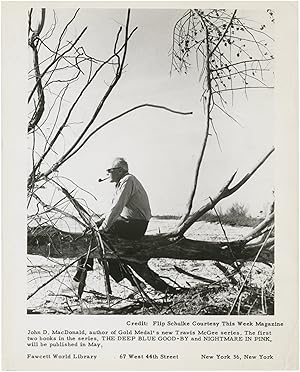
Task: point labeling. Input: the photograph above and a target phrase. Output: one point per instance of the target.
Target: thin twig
(249, 273)
(59, 273)
(182, 271)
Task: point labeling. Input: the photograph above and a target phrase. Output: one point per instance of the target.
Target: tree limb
(53, 62)
(207, 123)
(223, 193)
(119, 116)
(33, 43)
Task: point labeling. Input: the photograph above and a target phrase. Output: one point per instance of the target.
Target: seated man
(128, 217)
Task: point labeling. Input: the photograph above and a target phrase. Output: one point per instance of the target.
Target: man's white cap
(119, 163)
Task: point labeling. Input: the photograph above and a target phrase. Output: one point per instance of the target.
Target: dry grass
(256, 297)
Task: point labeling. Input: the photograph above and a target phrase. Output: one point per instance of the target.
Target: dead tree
(51, 242)
(207, 33)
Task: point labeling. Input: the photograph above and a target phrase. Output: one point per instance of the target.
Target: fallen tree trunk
(48, 241)
(51, 242)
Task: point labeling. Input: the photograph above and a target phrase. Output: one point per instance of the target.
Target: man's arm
(123, 194)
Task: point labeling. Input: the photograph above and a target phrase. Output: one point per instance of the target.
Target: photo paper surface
(150, 186)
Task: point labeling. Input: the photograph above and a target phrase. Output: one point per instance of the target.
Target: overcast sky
(160, 147)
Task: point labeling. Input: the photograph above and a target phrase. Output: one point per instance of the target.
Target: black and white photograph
(150, 186)
(150, 161)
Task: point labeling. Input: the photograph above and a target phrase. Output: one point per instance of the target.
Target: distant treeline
(166, 217)
(236, 215)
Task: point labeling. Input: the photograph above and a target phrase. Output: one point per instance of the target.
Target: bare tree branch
(58, 133)
(224, 192)
(117, 117)
(33, 43)
(53, 62)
